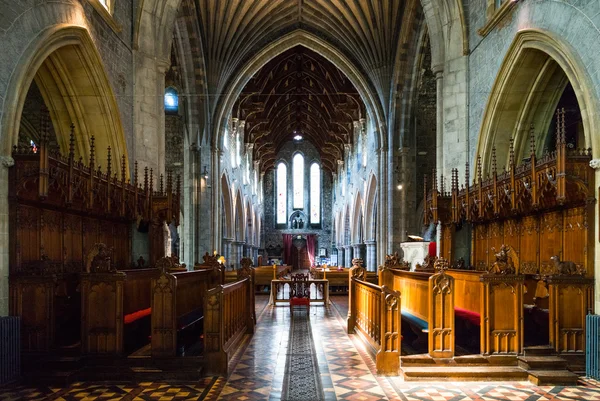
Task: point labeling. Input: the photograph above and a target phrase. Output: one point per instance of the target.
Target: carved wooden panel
(529, 242)
(27, 235)
(446, 245)
(502, 300)
(495, 239)
(511, 236)
(551, 236)
(575, 247)
(570, 301)
(32, 298)
(102, 328)
(73, 242)
(481, 247)
(441, 316)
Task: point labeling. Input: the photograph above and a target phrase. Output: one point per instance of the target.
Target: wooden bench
(116, 310)
(177, 306)
(375, 317)
(339, 279)
(427, 306)
(264, 274)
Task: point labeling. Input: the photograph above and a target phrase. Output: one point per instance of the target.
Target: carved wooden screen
(481, 249)
(528, 238)
(578, 237)
(551, 238)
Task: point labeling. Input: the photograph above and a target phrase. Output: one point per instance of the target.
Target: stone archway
(535, 61)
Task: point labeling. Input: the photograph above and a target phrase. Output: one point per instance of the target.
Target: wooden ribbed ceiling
(367, 32)
(299, 93)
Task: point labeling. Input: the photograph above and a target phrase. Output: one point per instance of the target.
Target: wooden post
(387, 359)
(216, 356)
(164, 315)
(441, 312)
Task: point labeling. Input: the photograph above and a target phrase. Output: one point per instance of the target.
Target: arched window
(171, 101)
(315, 194)
(298, 181)
(281, 193)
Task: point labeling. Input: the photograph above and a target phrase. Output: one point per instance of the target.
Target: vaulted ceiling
(299, 92)
(366, 32)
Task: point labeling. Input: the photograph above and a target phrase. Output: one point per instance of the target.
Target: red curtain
(287, 249)
(310, 247)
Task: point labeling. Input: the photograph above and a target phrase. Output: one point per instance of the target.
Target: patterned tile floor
(347, 373)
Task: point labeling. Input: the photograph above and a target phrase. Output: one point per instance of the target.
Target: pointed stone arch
(534, 56)
(370, 209)
(357, 219)
(67, 68)
(228, 205)
(239, 217)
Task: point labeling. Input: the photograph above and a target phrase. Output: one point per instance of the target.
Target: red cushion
(432, 249)
(300, 301)
(470, 316)
(132, 317)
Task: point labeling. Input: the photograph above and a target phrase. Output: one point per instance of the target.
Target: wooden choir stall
(73, 279)
(509, 294)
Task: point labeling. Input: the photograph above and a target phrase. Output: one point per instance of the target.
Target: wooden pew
(264, 274)
(467, 308)
(374, 313)
(427, 304)
(115, 306)
(177, 305)
(339, 279)
(230, 314)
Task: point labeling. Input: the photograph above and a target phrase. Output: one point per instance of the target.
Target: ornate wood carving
(441, 312)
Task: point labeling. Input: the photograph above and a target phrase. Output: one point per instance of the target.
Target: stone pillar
(439, 148)
(6, 162)
(237, 254)
(348, 253)
(371, 256)
(341, 261)
(357, 251)
(226, 251)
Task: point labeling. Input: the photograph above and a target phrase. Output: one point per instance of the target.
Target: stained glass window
(281, 193)
(298, 181)
(315, 194)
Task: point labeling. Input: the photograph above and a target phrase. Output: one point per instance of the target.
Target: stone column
(237, 253)
(5, 163)
(341, 260)
(226, 251)
(348, 253)
(439, 151)
(371, 256)
(357, 251)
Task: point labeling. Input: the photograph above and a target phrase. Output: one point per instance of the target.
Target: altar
(415, 252)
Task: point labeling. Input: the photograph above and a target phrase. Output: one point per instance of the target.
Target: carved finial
(511, 152)
(467, 175)
(72, 143)
(92, 152)
(494, 160)
(442, 186)
(178, 185)
(109, 163)
(151, 180)
(161, 186)
(123, 169)
(434, 180)
(146, 178)
(169, 181)
(532, 140)
(479, 171)
(135, 175)
(563, 138)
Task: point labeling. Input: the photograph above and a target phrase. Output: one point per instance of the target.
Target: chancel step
(553, 377)
(539, 350)
(542, 363)
(463, 373)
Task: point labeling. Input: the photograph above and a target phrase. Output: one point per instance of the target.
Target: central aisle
(260, 372)
(346, 370)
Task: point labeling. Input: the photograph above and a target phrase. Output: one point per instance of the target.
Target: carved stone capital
(595, 164)
(7, 161)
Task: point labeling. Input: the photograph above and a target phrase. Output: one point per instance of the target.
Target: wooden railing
(229, 314)
(318, 293)
(375, 314)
